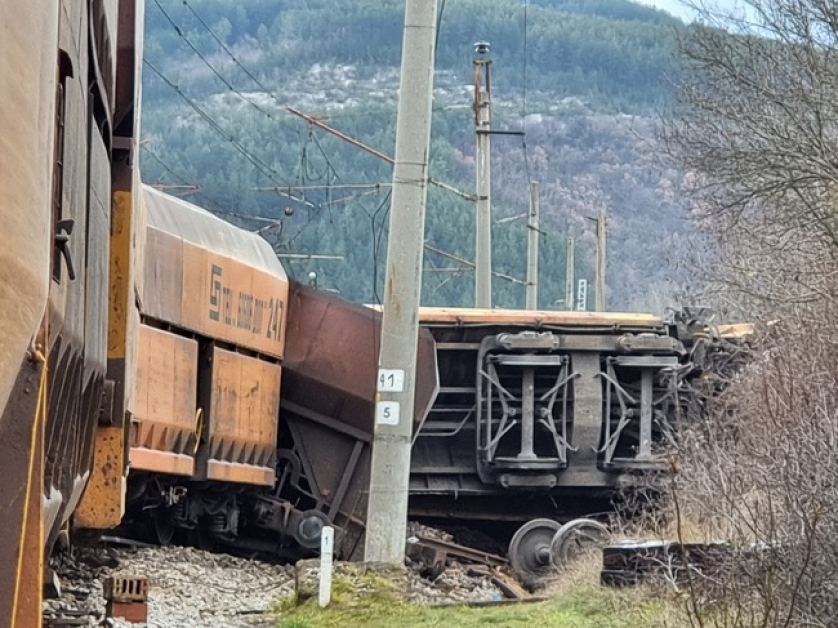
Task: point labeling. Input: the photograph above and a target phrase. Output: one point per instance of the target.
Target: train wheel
(310, 528)
(529, 550)
(575, 538)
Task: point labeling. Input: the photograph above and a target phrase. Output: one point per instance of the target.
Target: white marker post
(327, 550)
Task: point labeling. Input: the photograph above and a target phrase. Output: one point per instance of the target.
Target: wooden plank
(544, 317)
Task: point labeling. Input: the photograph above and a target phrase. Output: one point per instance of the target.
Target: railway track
(189, 587)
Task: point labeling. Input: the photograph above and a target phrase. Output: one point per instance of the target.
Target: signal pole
(570, 271)
(532, 248)
(600, 261)
(390, 470)
(483, 206)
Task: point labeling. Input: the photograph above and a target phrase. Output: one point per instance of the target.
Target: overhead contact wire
(260, 165)
(212, 68)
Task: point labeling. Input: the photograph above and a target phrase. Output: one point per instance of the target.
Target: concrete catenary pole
(483, 172)
(532, 248)
(600, 261)
(387, 507)
(570, 271)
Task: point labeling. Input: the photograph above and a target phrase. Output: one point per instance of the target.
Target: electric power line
(227, 50)
(206, 62)
(438, 24)
(260, 165)
(163, 164)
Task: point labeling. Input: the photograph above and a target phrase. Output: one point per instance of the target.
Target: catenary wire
(258, 163)
(212, 68)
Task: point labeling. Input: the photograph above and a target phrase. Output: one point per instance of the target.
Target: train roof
(478, 316)
(198, 226)
(482, 317)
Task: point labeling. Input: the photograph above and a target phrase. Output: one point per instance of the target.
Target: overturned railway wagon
(539, 417)
(542, 403)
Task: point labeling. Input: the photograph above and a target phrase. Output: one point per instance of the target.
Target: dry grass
(575, 601)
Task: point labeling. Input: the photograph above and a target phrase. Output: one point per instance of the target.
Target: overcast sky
(673, 6)
(677, 8)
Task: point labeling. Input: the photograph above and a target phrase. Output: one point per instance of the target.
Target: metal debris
(631, 562)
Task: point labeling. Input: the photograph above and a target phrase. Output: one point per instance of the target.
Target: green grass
(584, 606)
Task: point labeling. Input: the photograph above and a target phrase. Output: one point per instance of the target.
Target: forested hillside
(585, 79)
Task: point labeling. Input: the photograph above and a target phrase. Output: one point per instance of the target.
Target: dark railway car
(534, 402)
(538, 419)
(68, 127)
(541, 417)
(327, 408)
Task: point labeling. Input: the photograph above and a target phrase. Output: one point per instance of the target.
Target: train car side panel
(27, 83)
(163, 279)
(165, 420)
(242, 419)
(208, 277)
(226, 299)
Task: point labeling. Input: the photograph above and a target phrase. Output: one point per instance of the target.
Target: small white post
(582, 296)
(327, 547)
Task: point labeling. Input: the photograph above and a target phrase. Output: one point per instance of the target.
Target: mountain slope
(593, 78)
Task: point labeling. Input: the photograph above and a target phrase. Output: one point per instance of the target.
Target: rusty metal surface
(27, 83)
(103, 503)
(328, 394)
(331, 359)
(241, 419)
(129, 58)
(205, 275)
(424, 546)
(126, 243)
(165, 430)
(21, 435)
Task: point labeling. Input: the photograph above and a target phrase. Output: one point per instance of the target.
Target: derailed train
(156, 365)
(253, 402)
